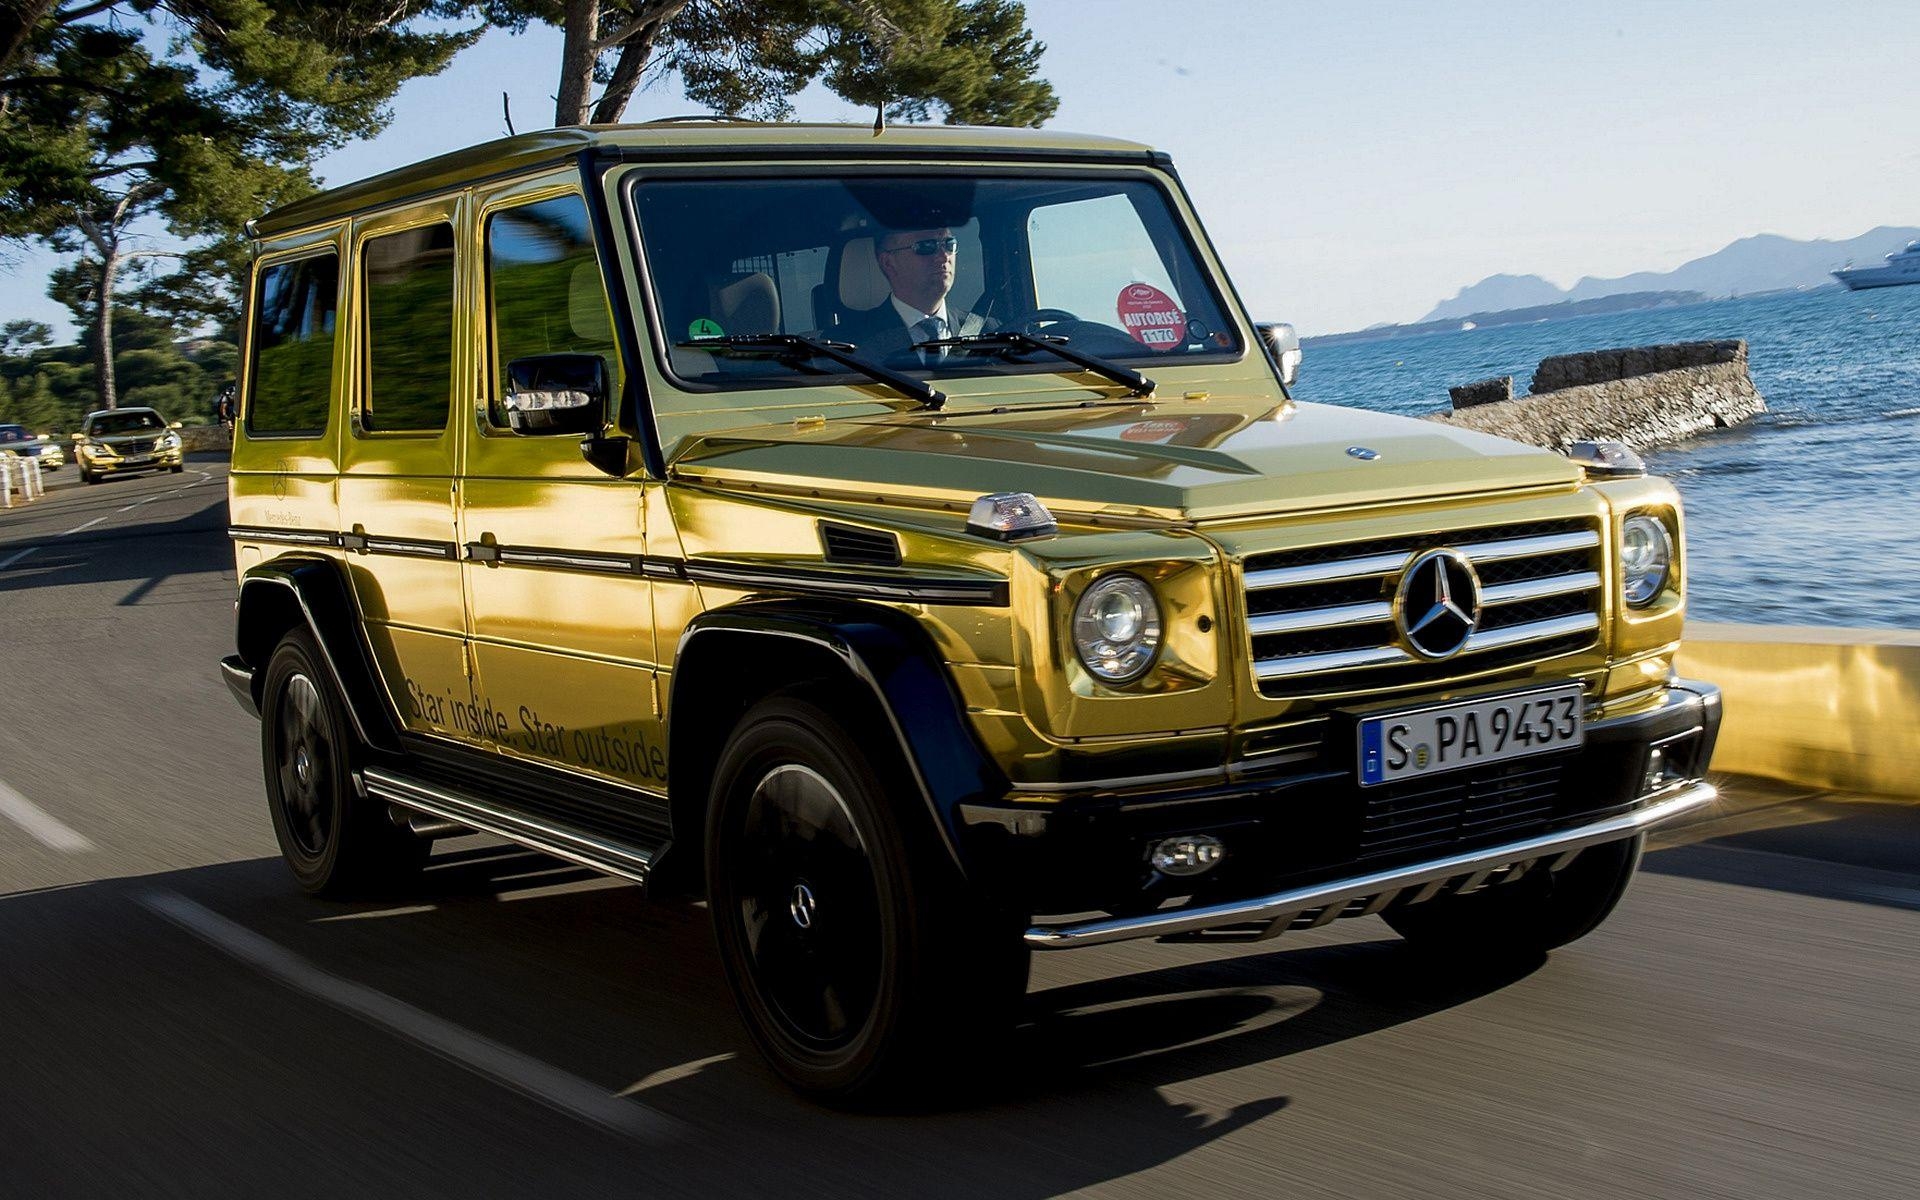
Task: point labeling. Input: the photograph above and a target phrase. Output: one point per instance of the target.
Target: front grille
(1321, 619)
(1471, 808)
(138, 446)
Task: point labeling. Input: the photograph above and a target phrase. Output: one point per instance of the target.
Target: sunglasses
(926, 247)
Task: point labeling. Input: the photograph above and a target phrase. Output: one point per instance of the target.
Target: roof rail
(716, 118)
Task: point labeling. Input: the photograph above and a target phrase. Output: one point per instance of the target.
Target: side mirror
(556, 393)
(1283, 347)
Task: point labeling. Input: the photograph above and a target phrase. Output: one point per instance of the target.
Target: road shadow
(1807, 842)
(143, 552)
(583, 974)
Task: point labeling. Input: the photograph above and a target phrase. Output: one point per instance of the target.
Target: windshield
(885, 263)
(13, 433)
(122, 422)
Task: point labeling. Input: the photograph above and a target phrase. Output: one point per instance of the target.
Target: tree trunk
(103, 330)
(577, 55)
(634, 53)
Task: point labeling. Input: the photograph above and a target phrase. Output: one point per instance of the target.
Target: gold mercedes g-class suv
(905, 541)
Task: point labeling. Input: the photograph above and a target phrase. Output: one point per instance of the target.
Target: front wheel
(89, 476)
(858, 964)
(338, 842)
(1536, 913)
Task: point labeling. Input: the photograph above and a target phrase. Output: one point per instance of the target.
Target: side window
(1085, 251)
(544, 292)
(408, 285)
(292, 368)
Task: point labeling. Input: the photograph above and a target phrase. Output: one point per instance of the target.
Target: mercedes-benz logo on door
(1438, 604)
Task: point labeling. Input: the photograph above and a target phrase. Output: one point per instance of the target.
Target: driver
(918, 265)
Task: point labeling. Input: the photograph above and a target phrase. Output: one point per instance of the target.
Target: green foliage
(970, 61)
(50, 388)
(198, 113)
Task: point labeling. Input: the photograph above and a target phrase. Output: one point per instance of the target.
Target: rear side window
(544, 289)
(409, 327)
(293, 315)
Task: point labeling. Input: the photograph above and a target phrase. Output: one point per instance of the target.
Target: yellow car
(116, 441)
(904, 542)
(16, 442)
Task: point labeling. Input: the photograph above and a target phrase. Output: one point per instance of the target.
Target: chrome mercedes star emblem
(1438, 604)
(801, 906)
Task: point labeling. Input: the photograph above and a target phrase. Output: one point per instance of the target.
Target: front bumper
(121, 466)
(1315, 843)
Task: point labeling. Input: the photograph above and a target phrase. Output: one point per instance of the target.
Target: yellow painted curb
(1827, 708)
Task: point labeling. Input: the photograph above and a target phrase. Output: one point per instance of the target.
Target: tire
(1530, 916)
(861, 967)
(175, 470)
(337, 842)
(89, 476)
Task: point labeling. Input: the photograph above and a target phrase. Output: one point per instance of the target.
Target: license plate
(1469, 733)
(138, 458)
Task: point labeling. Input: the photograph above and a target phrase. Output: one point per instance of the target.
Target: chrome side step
(1269, 916)
(486, 816)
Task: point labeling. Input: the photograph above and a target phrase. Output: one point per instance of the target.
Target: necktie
(927, 331)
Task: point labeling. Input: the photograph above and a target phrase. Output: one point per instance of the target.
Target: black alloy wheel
(336, 842)
(808, 908)
(861, 967)
(304, 759)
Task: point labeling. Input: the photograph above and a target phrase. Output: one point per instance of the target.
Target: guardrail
(1827, 708)
(22, 474)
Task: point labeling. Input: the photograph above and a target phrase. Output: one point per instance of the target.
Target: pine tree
(197, 113)
(973, 60)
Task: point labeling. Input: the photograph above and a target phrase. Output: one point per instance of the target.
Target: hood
(1189, 461)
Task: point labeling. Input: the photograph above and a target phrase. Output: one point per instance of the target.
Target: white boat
(1902, 266)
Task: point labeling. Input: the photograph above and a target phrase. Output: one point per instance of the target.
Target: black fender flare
(882, 653)
(312, 589)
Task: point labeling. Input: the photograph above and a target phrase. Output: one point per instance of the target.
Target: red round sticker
(1151, 316)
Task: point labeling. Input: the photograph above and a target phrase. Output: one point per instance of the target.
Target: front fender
(879, 653)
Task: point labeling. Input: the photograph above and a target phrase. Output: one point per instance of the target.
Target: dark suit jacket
(881, 334)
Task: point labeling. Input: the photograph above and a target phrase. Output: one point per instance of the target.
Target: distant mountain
(1497, 293)
(1764, 263)
(1560, 311)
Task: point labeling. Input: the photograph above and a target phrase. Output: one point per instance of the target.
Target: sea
(1807, 515)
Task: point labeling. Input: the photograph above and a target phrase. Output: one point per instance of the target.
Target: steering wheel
(1032, 322)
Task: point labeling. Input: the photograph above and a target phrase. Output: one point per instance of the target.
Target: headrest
(748, 305)
(587, 305)
(862, 286)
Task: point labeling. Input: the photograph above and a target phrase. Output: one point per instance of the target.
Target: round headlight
(1116, 627)
(1646, 559)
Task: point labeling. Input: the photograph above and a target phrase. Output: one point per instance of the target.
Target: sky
(1357, 162)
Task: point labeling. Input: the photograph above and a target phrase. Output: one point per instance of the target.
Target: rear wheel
(1534, 914)
(858, 962)
(337, 841)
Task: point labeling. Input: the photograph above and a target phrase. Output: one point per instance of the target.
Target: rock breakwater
(1644, 396)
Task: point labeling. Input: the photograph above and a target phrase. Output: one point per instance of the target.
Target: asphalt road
(177, 1019)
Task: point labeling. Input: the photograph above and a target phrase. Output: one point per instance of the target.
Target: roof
(679, 139)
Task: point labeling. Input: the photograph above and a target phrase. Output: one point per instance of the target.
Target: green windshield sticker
(705, 327)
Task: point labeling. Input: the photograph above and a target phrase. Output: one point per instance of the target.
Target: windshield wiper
(1014, 340)
(796, 346)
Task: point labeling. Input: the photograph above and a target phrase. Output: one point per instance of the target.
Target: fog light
(1191, 854)
(1656, 769)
